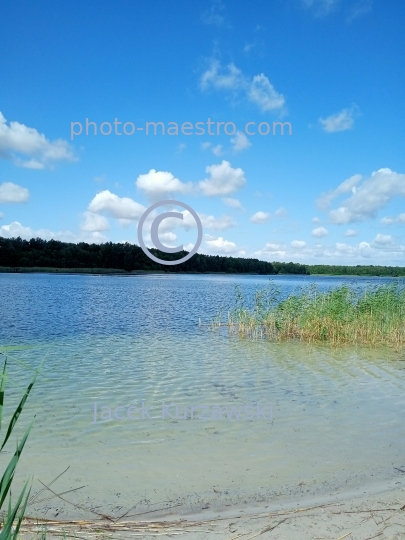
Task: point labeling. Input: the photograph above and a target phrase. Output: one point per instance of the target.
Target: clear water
(336, 420)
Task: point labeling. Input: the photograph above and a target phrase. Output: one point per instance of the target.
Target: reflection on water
(337, 415)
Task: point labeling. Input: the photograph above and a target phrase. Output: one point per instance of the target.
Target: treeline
(17, 254)
(388, 271)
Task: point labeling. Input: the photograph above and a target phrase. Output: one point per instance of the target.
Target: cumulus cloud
(222, 78)
(299, 244)
(216, 224)
(223, 180)
(158, 184)
(347, 186)
(351, 232)
(220, 245)
(19, 142)
(319, 232)
(240, 142)
(13, 193)
(263, 94)
(258, 90)
(341, 121)
(393, 220)
(16, 229)
(383, 239)
(233, 203)
(217, 150)
(116, 207)
(367, 197)
(94, 222)
(382, 250)
(260, 217)
(188, 222)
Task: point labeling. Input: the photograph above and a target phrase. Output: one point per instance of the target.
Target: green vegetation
(345, 315)
(16, 512)
(37, 255)
(17, 254)
(385, 271)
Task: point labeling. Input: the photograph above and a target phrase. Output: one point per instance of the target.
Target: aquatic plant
(345, 315)
(9, 529)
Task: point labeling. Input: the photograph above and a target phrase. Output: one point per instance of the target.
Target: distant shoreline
(120, 272)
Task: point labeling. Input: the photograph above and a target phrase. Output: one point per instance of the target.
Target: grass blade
(8, 474)
(18, 411)
(3, 383)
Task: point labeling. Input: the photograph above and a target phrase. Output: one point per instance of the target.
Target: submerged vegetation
(342, 316)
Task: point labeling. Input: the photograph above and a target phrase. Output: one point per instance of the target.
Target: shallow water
(332, 420)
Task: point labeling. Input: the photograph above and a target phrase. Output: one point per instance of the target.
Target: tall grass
(344, 315)
(13, 516)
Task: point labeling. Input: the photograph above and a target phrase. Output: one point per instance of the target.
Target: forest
(17, 254)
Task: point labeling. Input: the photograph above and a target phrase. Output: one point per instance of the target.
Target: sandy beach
(375, 512)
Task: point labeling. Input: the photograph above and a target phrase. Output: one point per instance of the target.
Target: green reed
(344, 315)
(13, 516)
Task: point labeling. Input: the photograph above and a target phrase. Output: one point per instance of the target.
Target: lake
(150, 411)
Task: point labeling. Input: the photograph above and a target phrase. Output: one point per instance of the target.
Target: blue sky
(332, 192)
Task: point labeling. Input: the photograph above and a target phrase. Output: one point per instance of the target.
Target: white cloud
(321, 7)
(359, 8)
(390, 221)
(262, 93)
(248, 47)
(347, 186)
(217, 150)
(223, 180)
(299, 244)
(258, 89)
(281, 213)
(205, 145)
(240, 142)
(94, 222)
(167, 237)
(158, 184)
(13, 193)
(16, 229)
(260, 217)
(319, 232)
(116, 207)
(341, 121)
(373, 194)
(316, 220)
(220, 78)
(382, 250)
(351, 232)
(1, 215)
(233, 203)
(220, 245)
(383, 239)
(216, 224)
(212, 16)
(18, 140)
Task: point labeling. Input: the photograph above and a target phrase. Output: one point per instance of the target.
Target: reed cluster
(374, 316)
